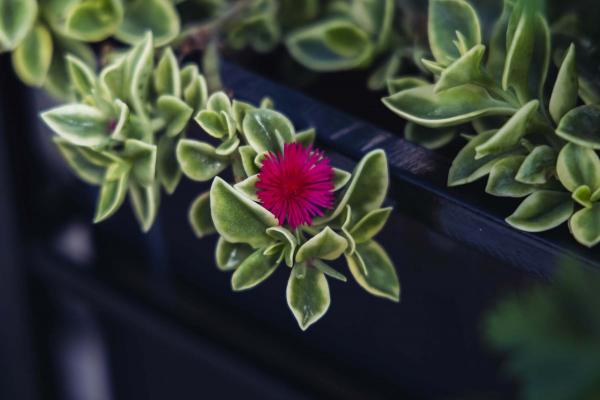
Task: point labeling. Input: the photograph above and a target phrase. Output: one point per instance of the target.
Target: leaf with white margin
(370, 225)
(325, 245)
(380, 278)
(145, 202)
(307, 295)
(143, 158)
(32, 57)
(112, 195)
(167, 77)
(229, 256)
(81, 75)
(585, 225)
(16, 20)
(200, 216)
(581, 126)
(253, 270)
(248, 187)
(237, 218)
(80, 124)
(175, 112)
(157, 16)
(199, 161)
(167, 167)
(577, 166)
(502, 180)
(542, 211)
(539, 165)
(566, 88)
(451, 107)
(267, 130)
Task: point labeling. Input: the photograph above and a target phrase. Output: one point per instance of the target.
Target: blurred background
(102, 312)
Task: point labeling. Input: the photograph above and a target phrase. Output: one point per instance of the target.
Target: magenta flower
(296, 185)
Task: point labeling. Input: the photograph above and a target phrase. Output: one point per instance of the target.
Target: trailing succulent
(531, 139)
(129, 132)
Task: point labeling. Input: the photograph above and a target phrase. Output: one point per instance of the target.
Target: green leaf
(385, 72)
(466, 69)
(79, 124)
(248, 155)
(406, 82)
(306, 137)
(167, 167)
(288, 239)
(175, 112)
(430, 138)
(466, 168)
(112, 79)
(502, 180)
(139, 67)
(345, 232)
(229, 146)
(539, 165)
(143, 158)
(112, 195)
(239, 110)
(307, 295)
(248, 187)
(31, 59)
(380, 278)
(376, 18)
(451, 107)
(327, 270)
(542, 211)
(340, 179)
(237, 218)
(229, 256)
(167, 78)
(199, 161)
(370, 225)
(581, 126)
(81, 75)
(332, 45)
(145, 202)
(156, 16)
(583, 196)
(565, 94)
(220, 102)
(446, 18)
(82, 166)
(253, 271)
(200, 216)
(267, 130)
(510, 134)
(577, 166)
(213, 123)
(196, 93)
(95, 20)
(326, 245)
(585, 225)
(16, 20)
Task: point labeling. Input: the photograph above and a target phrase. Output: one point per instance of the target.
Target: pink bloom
(296, 185)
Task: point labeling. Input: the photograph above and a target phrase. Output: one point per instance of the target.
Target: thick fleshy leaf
(510, 134)
(16, 20)
(31, 59)
(95, 20)
(406, 82)
(385, 72)
(539, 165)
(200, 216)
(288, 239)
(143, 158)
(145, 202)
(196, 93)
(466, 168)
(267, 130)
(306, 137)
(451, 107)
(79, 124)
(248, 155)
(307, 295)
(167, 167)
(375, 17)
(213, 123)
(566, 89)
(380, 278)
(112, 195)
(577, 166)
(175, 112)
(82, 166)
(220, 102)
(253, 270)
(156, 16)
(167, 78)
(581, 126)
(370, 225)
(228, 147)
(340, 178)
(430, 138)
(112, 80)
(331, 45)
(502, 180)
(467, 69)
(446, 18)
(519, 56)
(585, 225)
(229, 256)
(583, 196)
(81, 75)
(329, 271)
(239, 110)
(345, 232)
(139, 73)
(237, 218)
(326, 245)
(199, 161)
(542, 211)
(248, 187)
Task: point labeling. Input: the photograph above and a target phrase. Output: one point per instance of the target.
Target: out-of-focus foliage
(551, 336)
